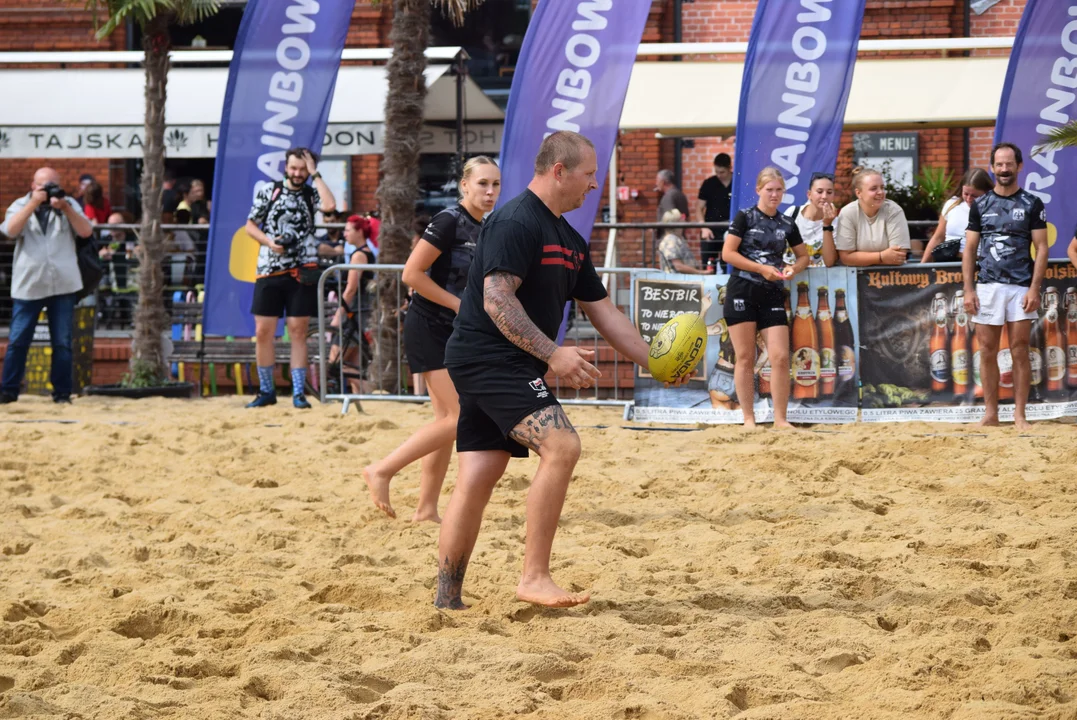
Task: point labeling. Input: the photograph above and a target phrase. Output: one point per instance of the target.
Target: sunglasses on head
(821, 176)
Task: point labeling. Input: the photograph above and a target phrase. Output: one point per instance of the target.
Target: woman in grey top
(872, 230)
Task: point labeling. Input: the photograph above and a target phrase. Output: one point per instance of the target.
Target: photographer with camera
(46, 226)
(287, 276)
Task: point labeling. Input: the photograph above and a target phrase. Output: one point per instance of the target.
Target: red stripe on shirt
(558, 261)
(556, 249)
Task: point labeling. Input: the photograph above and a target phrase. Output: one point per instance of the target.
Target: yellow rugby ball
(678, 348)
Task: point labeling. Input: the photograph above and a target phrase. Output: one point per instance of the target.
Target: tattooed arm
(504, 308)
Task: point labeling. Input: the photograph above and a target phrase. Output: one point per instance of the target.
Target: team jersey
(1005, 224)
(763, 239)
(454, 232)
(523, 238)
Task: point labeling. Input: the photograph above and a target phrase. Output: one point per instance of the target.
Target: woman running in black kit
(754, 246)
(437, 271)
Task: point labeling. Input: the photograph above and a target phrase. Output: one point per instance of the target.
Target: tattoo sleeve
(504, 308)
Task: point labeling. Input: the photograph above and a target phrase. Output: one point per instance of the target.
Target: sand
(169, 559)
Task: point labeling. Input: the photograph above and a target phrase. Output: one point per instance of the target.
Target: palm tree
(399, 188)
(155, 17)
(1063, 136)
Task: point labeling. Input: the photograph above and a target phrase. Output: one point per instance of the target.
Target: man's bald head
(44, 176)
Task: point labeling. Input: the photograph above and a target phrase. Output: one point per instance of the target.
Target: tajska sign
(200, 141)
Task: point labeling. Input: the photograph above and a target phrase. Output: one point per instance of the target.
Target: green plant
(143, 375)
(935, 184)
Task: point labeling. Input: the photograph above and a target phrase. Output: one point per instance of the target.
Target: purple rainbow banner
(797, 75)
(1039, 96)
(572, 74)
(280, 86)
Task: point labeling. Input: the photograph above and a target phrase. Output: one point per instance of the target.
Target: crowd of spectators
(869, 230)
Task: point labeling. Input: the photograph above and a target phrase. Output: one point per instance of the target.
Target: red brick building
(50, 25)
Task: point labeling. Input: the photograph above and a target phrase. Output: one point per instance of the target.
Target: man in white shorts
(1004, 225)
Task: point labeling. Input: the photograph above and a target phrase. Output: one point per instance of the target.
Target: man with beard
(1004, 225)
(287, 282)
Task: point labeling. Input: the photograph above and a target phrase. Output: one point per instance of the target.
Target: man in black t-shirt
(712, 205)
(528, 263)
(1004, 227)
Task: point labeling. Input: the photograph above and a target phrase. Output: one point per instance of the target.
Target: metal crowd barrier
(115, 297)
(607, 392)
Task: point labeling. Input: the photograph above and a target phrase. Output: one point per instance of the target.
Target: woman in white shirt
(815, 220)
(948, 242)
(872, 230)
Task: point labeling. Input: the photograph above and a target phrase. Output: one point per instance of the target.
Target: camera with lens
(52, 190)
(287, 239)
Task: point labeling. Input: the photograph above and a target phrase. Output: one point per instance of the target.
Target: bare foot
(546, 593)
(989, 421)
(378, 485)
(783, 425)
(749, 424)
(1021, 424)
(424, 515)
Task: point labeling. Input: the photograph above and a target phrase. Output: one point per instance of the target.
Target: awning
(702, 98)
(99, 112)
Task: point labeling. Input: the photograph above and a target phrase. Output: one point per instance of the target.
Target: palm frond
(456, 9)
(117, 12)
(1063, 136)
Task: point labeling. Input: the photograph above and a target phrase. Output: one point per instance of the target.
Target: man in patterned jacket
(287, 283)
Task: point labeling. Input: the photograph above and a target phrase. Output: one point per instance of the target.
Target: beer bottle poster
(920, 359)
(823, 326)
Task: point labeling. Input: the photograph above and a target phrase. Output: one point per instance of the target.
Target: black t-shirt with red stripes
(523, 238)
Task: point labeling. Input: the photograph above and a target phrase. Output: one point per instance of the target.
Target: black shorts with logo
(283, 294)
(759, 303)
(494, 399)
(424, 341)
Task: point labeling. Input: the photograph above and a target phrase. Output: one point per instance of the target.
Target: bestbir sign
(280, 87)
(797, 76)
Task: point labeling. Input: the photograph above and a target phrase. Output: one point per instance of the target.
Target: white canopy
(701, 98)
(196, 96)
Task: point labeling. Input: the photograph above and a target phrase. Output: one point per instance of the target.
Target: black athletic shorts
(759, 303)
(424, 341)
(280, 295)
(494, 398)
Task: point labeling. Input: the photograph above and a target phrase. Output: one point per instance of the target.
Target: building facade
(492, 37)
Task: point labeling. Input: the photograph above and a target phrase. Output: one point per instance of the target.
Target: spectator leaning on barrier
(948, 241)
(287, 276)
(45, 274)
(1005, 226)
(816, 219)
(872, 230)
(712, 206)
(673, 250)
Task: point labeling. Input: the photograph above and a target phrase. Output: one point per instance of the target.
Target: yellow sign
(243, 257)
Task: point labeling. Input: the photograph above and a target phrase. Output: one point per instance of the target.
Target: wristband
(828, 228)
(316, 175)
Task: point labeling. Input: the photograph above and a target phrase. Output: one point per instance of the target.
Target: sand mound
(195, 559)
